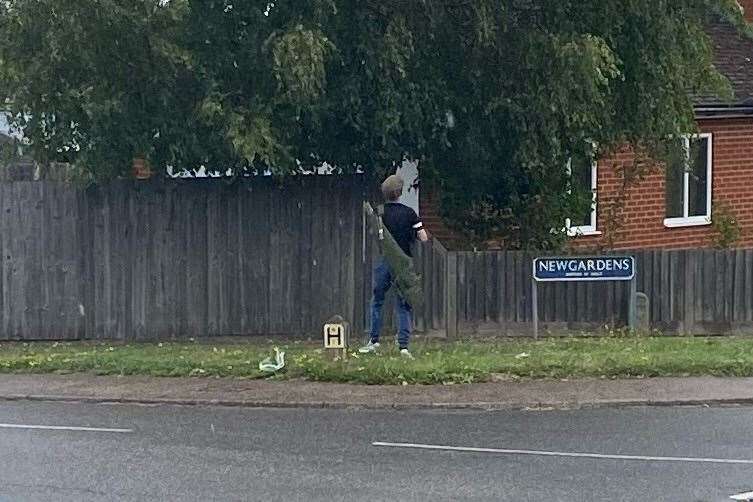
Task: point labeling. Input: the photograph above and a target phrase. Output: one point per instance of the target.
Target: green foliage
(298, 63)
(492, 96)
(95, 81)
(727, 229)
(405, 278)
(603, 72)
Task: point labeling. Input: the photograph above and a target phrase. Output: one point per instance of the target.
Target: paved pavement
(495, 395)
(203, 453)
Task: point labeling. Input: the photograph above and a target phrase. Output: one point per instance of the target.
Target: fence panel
(134, 260)
(689, 291)
(151, 260)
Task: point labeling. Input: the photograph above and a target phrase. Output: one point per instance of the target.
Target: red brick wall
(429, 212)
(641, 219)
(747, 6)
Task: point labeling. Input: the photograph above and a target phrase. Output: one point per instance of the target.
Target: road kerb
(480, 406)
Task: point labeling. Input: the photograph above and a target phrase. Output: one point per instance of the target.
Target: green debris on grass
(465, 361)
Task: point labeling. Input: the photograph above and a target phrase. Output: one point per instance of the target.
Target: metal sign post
(580, 269)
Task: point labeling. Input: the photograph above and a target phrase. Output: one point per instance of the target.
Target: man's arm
(418, 226)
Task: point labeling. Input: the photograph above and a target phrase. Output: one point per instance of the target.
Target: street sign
(583, 268)
(589, 268)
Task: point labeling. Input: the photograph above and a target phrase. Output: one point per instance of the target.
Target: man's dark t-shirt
(403, 223)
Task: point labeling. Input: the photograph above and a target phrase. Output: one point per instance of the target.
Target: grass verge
(436, 362)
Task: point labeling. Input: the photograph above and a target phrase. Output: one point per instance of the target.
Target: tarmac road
(203, 453)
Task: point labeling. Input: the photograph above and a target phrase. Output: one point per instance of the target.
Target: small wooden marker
(336, 334)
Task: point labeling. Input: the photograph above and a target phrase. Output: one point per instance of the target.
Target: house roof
(733, 58)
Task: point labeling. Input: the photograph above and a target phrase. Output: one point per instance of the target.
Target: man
(403, 224)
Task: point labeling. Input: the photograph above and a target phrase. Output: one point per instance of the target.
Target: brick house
(675, 207)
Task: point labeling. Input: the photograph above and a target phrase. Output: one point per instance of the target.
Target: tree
(493, 96)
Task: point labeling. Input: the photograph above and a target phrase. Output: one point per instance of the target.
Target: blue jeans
(382, 283)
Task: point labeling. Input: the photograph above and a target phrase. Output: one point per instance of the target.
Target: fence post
(632, 312)
(535, 307)
(451, 296)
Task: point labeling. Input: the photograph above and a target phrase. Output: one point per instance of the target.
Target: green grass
(436, 362)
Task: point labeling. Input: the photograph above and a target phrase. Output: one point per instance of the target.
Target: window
(688, 183)
(583, 173)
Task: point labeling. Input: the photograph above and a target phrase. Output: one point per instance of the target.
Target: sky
(5, 128)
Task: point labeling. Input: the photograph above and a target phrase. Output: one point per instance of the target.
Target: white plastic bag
(270, 366)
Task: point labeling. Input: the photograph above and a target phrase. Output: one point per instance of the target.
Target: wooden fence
(136, 260)
(689, 292)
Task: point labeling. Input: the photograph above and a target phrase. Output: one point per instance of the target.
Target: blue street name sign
(590, 268)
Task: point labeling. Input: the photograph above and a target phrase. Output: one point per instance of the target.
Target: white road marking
(742, 496)
(64, 428)
(563, 454)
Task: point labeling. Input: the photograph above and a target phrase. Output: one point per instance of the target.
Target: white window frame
(583, 230)
(693, 221)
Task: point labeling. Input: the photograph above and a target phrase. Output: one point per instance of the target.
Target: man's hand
(423, 235)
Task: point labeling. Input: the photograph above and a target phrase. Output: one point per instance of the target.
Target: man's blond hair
(392, 188)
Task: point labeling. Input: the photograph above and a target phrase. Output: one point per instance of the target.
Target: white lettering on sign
(584, 268)
(583, 265)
